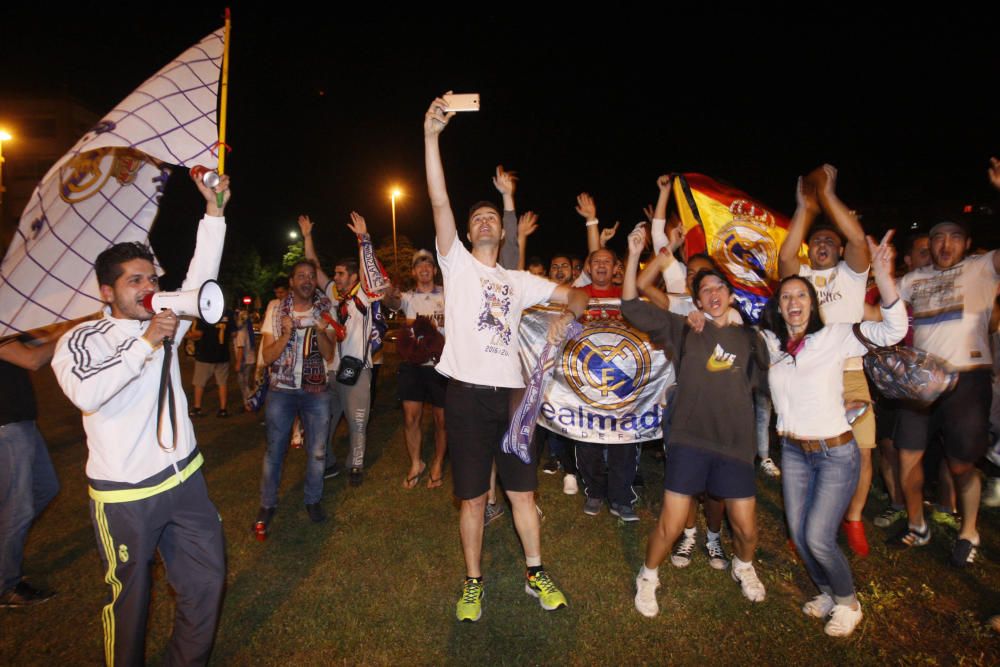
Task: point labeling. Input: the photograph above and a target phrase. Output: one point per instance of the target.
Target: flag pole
(223, 94)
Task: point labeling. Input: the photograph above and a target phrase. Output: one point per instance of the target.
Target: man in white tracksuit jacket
(147, 491)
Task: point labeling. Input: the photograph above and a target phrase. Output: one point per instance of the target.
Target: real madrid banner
(740, 233)
(608, 384)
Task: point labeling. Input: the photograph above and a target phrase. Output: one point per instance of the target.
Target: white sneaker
(570, 487)
(991, 492)
(843, 620)
(750, 584)
(819, 607)
(770, 468)
(645, 596)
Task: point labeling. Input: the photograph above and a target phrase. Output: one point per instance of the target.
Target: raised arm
(370, 270)
(526, 226)
(806, 210)
(506, 182)
(646, 281)
(435, 120)
(994, 174)
(587, 209)
(659, 218)
(891, 329)
(856, 253)
(306, 227)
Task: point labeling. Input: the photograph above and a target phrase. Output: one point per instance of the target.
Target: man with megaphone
(147, 491)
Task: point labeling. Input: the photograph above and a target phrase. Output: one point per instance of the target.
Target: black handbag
(349, 370)
(906, 373)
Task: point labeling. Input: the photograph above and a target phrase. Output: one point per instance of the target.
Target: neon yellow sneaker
(470, 605)
(542, 587)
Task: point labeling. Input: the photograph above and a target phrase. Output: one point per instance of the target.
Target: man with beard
(297, 344)
(952, 300)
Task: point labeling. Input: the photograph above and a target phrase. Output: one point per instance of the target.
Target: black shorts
(886, 416)
(692, 470)
(422, 384)
(477, 419)
(961, 417)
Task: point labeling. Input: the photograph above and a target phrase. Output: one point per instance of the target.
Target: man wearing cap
(839, 273)
(420, 348)
(952, 300)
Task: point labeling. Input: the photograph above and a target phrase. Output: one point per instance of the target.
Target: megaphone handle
(166, 394)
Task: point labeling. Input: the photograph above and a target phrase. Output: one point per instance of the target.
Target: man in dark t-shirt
(212, 358)
(27, 479)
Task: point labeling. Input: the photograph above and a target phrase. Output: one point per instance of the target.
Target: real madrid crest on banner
(608, 384)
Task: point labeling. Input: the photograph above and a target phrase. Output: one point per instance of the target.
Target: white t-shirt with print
(841, 293)
(482, 316)
(951, 310)
(426, 304)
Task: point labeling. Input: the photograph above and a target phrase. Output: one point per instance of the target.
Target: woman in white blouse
(820, 460)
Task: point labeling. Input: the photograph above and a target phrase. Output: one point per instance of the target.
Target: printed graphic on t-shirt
(493, 315)
(826, 288)
(938, 298)
(720, 360)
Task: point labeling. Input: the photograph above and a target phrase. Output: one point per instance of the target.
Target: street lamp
(396, 192)
(293, 235)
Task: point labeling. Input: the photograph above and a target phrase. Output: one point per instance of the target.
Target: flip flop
(411, 482)
(433, 483)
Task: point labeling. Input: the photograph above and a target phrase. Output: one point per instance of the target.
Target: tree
(400, 275)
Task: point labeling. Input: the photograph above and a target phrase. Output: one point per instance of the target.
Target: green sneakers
(470, 605)
(542, 587)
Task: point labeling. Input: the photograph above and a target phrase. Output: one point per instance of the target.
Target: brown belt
(812, 446)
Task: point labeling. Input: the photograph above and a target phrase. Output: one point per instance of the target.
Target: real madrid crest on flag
(609, 382)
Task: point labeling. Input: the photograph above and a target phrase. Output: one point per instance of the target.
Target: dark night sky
(326, 114)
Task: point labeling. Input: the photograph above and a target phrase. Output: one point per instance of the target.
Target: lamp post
(396, 192)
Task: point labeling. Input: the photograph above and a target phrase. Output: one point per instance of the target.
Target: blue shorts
(692, 470)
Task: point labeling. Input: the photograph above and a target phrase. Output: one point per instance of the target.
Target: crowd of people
(318, 352)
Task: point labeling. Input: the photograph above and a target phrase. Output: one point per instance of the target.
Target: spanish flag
(740, 233)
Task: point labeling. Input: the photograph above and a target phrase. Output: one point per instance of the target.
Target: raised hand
(436, 118)
(586, 207)
(648, 212)
(505, 181)
(994, 172)
(675, 237)
(527, 224)
(305, 225)
(805, 196)
(825, 180)
(883, 254)
(213, 207)
(357, 224)
(608, 233)
(664, 181)
(637, 239)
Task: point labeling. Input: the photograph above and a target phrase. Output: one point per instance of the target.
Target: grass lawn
(378, 582)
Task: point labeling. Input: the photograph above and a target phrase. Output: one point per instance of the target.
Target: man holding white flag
(147, 491)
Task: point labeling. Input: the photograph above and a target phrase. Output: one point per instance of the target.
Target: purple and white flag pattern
(517, 439)
(106, 190)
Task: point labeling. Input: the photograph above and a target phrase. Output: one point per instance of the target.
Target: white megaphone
(205, 302)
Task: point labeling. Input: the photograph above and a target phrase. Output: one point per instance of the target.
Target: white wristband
(591, 223)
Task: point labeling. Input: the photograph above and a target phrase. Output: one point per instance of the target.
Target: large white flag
(106, 190)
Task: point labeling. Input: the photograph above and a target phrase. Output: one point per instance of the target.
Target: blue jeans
(27, 484)
(282, 406)
(818, 487)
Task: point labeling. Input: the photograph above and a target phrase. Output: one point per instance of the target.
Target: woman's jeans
(818, 487)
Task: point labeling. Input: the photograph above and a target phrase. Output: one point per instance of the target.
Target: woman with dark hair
(711, 443)
(820, 459)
